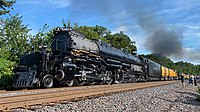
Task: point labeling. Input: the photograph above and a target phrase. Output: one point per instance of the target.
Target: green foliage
(6, 73)
(88, 31)
(182, 67)
(13, 43)
(161, 60)
(101, 31)
(4, 4)
(188, 68)
(120, 40)
(92, 32)
(14, 38)
(41, 38)
(198, 91)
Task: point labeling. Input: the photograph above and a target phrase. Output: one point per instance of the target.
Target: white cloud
(183, 9)
(189, 55)
(184, 6)
(191, 33)
(60, 3)
(140, 38)
(193, 27)
(192, 54)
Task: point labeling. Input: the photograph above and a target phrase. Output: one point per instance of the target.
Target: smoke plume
(165, 42)
(160, 37)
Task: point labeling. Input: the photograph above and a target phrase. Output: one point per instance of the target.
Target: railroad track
(4, 93)
(44, 98)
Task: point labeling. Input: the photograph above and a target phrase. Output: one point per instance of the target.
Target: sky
(167, 27)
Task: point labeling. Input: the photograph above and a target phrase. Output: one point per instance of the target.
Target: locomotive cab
(61, 42)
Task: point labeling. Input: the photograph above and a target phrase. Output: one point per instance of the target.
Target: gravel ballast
(173, 98)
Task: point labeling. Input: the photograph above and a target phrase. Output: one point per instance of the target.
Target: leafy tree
(14, 37)
(182, 67)
(91, 32)
(167, 62)
(120, 40)
(4, 4)
(88, 32)
(15, 41)
(41, 38)
(101, 31)
(189, 68)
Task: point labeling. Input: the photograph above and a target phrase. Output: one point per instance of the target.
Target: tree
(120, 40)
(14, 37)
(182, 67)
(41, 38)
(15, 41)
(90, 32)
(4, 4)
(101, 31)
(164, 61)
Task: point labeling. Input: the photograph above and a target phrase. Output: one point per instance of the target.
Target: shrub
(198, 91)
(6, 73)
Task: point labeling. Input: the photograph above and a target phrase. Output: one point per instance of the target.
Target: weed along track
(27, 100)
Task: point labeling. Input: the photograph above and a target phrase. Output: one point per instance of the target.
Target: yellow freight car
(168, 74)
(165, 72)
(172, 74)
(186, 76)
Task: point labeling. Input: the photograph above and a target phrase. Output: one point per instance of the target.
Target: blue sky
(139, 19)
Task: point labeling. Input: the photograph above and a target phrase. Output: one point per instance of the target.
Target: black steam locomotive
(75, 60)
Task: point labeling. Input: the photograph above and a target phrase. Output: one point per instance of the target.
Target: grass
(198, 91)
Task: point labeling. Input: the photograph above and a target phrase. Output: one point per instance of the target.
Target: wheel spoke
(109, 79)
(70, 82)
(47, 81)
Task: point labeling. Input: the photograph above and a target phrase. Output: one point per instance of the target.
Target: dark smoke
(165, 42)
(161, 38)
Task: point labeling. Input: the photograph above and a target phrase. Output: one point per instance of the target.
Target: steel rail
(25, 101)
(40, 91)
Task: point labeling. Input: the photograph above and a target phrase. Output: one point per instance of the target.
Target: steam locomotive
(76, 60)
